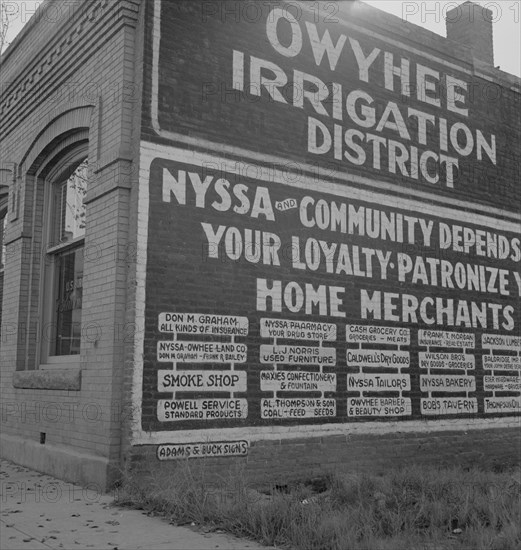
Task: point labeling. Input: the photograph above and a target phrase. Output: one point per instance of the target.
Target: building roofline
(509, 78)
(505, 77)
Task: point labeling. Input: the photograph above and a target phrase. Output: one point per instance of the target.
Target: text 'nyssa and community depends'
(469, 270)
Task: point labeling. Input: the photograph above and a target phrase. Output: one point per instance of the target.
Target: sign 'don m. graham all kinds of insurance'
(299, 267)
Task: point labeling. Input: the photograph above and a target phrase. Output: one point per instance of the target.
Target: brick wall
(80, 78)
(65, 80)
(258, 141)
(1, 298)
(281, 462)
(471, 25)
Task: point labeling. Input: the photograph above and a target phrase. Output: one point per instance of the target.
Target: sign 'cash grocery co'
(258, 78)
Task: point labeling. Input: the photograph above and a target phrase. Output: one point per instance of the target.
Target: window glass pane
(69, 209)
(3, 251)
(69, 293)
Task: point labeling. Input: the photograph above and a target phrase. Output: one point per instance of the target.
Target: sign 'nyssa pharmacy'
(281, 294)
(291, 83)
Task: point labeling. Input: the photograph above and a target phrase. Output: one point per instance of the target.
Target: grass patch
(406, 508)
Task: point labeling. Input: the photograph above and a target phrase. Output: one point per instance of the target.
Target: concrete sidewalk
(38, 511)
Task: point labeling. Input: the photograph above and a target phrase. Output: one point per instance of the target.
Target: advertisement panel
(328, 230)
(314, 84)
(272, 304)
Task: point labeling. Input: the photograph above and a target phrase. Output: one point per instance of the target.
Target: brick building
(269, 234)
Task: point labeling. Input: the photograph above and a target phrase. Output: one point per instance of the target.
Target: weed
(406, 508)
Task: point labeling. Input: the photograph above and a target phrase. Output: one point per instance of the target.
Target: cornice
(29, 80)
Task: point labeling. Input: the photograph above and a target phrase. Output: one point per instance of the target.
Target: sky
(427, 14)
(431, 15)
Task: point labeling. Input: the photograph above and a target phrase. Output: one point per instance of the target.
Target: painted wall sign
(378, 406)
(331, 93)
(319, 220)
(435, 406)
(201, 352)
(298, 355)
(496, 365)
(378, 382)
(502, 342)
(369, 383)
(295, 408)
(447, 383)
(298, 381)
(502, 383)
(292, 329)
(502, 404)
(340, 309)
(196, 323)
(438, 360)
(197, 380)
(201, 409)
(445, 339)
(502, 362)
(209, 449)
(377, 358)
(370, 334)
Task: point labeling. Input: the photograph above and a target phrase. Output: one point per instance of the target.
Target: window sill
(51, 379)
(56, 362)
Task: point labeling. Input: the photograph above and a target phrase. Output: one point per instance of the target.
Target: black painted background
(181, 278)
(196, 99)
(196, 54)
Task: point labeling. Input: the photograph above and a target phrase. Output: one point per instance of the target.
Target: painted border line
(248, 155)
(149, 152)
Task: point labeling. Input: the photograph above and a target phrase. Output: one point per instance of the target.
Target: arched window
(64, 259)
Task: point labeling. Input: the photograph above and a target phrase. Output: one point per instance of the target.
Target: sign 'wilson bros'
(327, 92)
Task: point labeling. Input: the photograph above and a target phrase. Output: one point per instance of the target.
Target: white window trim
(62, 247)
(45, 360)
(3, 230)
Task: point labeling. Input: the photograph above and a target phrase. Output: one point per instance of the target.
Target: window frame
(59, 173)
(3, 231)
